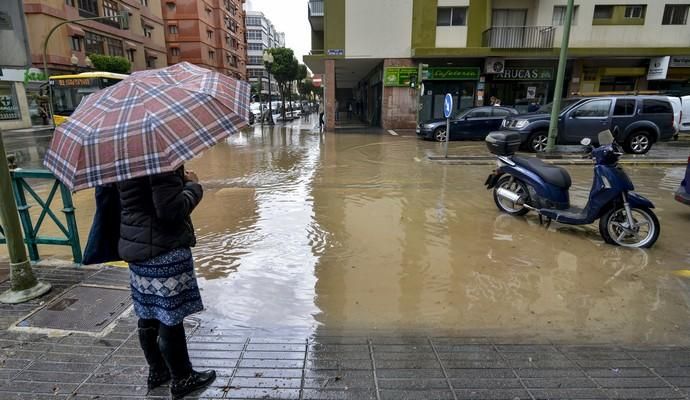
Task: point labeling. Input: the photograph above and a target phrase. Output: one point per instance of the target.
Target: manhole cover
(82, 308)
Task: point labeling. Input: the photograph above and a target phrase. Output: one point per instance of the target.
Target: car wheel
(537, 142)
(440, 134)
(638, 143)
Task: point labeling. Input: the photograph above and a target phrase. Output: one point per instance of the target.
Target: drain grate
(82, 308)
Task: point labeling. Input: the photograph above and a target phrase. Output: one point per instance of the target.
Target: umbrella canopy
(151, 122)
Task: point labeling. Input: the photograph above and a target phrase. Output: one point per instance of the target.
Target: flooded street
(300, 232)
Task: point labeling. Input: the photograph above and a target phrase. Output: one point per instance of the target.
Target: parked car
(473, 123)
(677, 105)
(685, 114)
(683, 192)
(637, 122)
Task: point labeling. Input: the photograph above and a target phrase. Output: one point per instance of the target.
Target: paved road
(329, 365)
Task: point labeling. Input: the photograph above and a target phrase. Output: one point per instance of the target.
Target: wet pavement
(305, 234)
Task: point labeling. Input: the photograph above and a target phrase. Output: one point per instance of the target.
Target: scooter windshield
(605, 138)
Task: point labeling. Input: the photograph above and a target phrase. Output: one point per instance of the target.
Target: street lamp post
(124, 24)
(560, 77)
(24, 285)
(268, 61)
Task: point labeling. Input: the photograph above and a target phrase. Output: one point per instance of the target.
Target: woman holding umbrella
(138, 134)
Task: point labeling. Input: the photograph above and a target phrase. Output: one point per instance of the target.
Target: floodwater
(301, 232)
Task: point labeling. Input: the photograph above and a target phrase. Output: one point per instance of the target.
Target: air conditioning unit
(494, 65)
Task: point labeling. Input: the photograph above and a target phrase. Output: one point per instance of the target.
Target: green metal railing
(32, 235)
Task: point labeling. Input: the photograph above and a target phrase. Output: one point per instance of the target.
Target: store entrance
(523, 96)
(435, 92)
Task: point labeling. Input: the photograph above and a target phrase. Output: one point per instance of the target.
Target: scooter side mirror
(586, 141)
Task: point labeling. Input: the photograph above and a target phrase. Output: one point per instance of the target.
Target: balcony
(519, 37)
(316, 15)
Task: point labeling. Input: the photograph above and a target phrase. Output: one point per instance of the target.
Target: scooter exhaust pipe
(509, 195)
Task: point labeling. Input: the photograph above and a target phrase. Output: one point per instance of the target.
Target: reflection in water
(300, 231)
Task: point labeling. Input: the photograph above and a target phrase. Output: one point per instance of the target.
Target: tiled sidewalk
(330, 365)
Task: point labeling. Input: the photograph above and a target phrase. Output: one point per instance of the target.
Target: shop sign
(680, 62)
(658, 68)
(34, 75)
(399, 76)
(525, 74)
(453, 73)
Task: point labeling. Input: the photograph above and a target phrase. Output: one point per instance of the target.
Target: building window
(174, 51)
(209, 35)
(234, 44)
(636, 12)
(172, 29)
(150, 62)
(130, 55)
(9, 109)
(94, 43)
(111, 9)
(617, 84)
(145, 3)
(75, 42)
(255, 46)
(208, 11)
(211, 55)
(88, 8)
(675, 14)
(148, 29)
(255, 60)
(115, 47)
(451, 16)
(69, 3)
(254, 34)
(603, 12)
(559, 15)
(253, 21)
(171, 6)
(233, 26)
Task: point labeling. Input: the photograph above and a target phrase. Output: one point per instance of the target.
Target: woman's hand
(190, 176)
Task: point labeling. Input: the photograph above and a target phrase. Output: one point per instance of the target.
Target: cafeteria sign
(525, 74)
(403, 76)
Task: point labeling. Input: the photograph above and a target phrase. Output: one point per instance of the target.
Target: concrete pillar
(398, 110)
(329, 94)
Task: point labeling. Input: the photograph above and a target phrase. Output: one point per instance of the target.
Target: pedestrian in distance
(156, 236)
(349, 110)
(337, 115)
(321, 116)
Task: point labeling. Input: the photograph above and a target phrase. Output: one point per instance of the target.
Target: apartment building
(369, 52)
(143, 43)
(261, 35)
(209, 33)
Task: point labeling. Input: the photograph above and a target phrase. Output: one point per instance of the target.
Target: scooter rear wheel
(514, 185)
(615, 229)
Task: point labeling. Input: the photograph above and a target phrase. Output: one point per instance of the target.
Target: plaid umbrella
(151, 122)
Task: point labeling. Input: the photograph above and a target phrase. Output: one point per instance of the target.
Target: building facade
(143, 43)
(208, 33)
(14, 67)
(261, 35)
(476, 49)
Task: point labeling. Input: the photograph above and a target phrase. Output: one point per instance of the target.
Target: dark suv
(636, 121)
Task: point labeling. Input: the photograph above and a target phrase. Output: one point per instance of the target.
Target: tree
(115, 64)
(284, 69)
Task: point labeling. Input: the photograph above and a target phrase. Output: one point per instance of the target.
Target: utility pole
(558, 90)
(24, 285)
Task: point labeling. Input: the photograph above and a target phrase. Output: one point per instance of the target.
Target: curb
(492, 161)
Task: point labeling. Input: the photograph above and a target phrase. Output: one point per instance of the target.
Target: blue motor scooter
(524, 184)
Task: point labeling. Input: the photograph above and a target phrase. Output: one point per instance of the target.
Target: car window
(500, 112)
(594, 108)
(654, 106)
(480, 113)
(624, 107)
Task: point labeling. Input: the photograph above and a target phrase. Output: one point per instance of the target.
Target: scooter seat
(551, 174)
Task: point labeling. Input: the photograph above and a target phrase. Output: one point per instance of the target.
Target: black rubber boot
(185, 380)
(148, 339)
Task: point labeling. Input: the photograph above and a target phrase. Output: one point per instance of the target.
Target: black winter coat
(155, 215)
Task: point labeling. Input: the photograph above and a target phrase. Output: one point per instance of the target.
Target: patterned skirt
(165, 287)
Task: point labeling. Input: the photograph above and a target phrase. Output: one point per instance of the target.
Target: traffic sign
(448, 106)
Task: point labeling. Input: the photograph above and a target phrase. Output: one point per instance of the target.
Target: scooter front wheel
(616, 229)
(515, 186)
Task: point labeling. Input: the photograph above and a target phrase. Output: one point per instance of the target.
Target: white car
(685, 114)
(677, 113)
